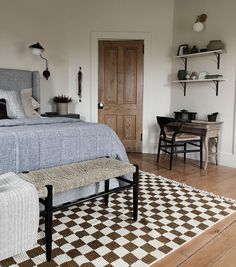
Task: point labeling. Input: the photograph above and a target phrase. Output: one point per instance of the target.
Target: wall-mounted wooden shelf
(185, 58)
(184, 82)
(217, 53)
(202, 54)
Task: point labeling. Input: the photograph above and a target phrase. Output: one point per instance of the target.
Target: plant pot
(212, 117)
(62, 108)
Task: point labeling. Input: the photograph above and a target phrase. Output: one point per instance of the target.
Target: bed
(37, 143)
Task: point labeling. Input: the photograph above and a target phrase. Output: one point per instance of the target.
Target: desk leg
(217, 146)
(206, 140)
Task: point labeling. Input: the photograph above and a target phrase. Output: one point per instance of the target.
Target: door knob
(100, 105)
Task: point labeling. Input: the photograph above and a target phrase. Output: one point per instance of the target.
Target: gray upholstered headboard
(11, 79)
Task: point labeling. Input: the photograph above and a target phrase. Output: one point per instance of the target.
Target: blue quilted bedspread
(32, 144)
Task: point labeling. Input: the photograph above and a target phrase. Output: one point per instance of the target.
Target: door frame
(116, 36)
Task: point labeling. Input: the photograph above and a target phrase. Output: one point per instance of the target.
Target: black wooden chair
(174, 141)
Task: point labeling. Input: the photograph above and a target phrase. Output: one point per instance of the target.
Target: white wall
(65, 28)
(150, 20)
(25, 22)
(69, 29)
(221, 24)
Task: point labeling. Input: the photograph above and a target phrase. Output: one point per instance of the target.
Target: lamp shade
(36, 49)
(198, 26)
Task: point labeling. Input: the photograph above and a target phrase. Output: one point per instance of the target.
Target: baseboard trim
(227, 159)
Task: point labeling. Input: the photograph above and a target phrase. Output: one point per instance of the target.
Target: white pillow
(35, 103)
(13, 103)
(26, 98)
(36, 114)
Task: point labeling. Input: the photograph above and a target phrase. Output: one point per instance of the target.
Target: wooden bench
(67, 177)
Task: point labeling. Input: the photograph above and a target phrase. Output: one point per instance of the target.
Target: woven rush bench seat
(67, 177)
(75, 175)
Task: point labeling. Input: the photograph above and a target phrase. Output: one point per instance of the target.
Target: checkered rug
(170, 214)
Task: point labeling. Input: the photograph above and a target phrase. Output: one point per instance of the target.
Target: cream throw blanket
(19, 215)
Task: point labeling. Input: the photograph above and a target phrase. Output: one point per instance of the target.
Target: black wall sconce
(37, 50)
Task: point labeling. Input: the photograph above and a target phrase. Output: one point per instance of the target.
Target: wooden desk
(207, 130)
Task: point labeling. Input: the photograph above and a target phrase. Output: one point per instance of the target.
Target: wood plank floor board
(210, 253)
(229, 259)
(202, 242)
(170, 261)
(203, 239)
(217, 245)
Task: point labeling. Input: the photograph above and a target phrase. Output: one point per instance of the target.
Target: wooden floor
(216, 246)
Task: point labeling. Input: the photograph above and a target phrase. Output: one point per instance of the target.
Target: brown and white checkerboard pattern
(170, 214)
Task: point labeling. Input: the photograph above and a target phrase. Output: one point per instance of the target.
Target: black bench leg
(48, 223)
(106, 198)
(135, 193)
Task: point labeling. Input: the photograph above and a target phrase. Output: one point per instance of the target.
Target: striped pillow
(3, 109)
(13, 103)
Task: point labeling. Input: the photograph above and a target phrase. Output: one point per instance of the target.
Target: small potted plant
(62, 104)
(213, 116)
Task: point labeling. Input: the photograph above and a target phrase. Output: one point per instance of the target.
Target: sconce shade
(198, 27)
(36, 49)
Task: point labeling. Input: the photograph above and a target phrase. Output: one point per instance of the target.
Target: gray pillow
(13, 103)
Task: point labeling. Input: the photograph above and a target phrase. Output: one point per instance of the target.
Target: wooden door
(120, 90)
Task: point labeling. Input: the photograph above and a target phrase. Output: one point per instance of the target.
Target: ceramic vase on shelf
(194, 50)
(62, 108)
(215, 45)
(182, 74)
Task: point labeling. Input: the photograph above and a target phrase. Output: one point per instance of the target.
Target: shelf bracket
(217, 87)
(218, 59)
(185, 87)
(185, 60)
